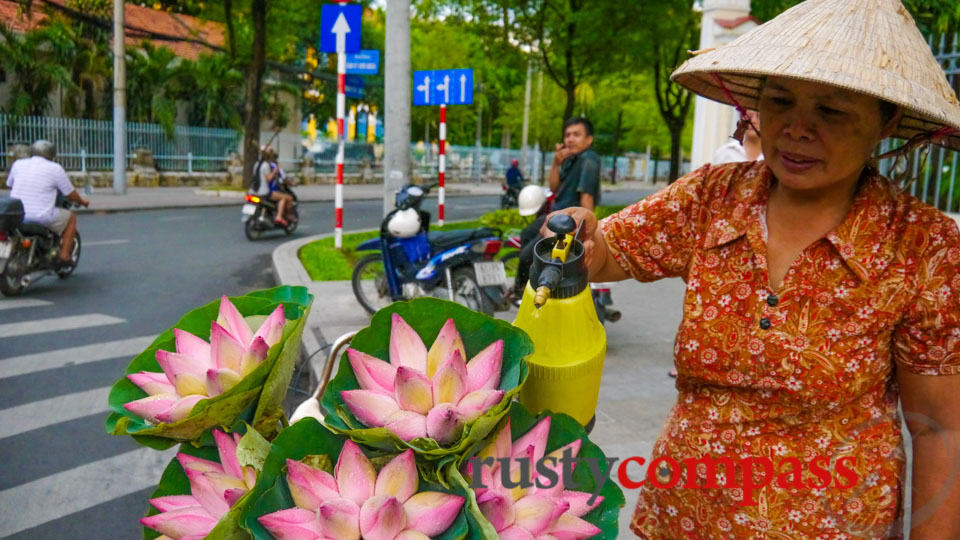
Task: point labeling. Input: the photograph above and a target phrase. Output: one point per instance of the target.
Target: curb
(288, 270)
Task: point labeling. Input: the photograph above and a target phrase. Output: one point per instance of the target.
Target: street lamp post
(119, 103)
(397, 87)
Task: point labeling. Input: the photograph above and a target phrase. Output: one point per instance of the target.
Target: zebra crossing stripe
(31, 363)
(52, 411)
(53, 497)
(43, 326)
(16, 303)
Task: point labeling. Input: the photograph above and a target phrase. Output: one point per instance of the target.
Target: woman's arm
(601, 266)
(931, 406)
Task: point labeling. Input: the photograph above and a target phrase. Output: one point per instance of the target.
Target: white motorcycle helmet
(404, 223)
(531, 199)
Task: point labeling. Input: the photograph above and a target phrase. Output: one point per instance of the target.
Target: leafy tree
(28, 59)
(215, 92)
(155, 82)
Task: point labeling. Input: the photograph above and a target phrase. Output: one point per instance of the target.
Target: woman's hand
(588, 230)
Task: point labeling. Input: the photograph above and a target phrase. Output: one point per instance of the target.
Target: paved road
(65, 342)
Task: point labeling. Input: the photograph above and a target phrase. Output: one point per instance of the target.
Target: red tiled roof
(730, 24)
(19, 22)
(138, 18)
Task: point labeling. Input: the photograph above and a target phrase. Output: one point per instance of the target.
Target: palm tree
(216, 92)
(31, 61)
(155, 81)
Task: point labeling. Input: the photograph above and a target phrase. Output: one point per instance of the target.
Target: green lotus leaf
(257, 399)
(309, 439)
(563, 430)
(427, 316)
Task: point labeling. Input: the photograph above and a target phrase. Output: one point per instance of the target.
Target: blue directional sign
(443, 87)
(353, 87)
(340, 28)
(365, 62)
(461, 84)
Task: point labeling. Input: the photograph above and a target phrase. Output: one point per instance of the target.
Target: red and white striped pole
(341, 108)
(443, 160)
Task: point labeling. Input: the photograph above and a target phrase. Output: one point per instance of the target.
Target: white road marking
(52, 411)
(106, 242)
(17, 303)
(58, 495)
(31, 363)
(42, 326)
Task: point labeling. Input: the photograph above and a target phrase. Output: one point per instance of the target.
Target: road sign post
(340, 33)
(442, 165)
(443, 87)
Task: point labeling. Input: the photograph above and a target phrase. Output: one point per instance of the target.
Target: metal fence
(87, 145)
(934, 169)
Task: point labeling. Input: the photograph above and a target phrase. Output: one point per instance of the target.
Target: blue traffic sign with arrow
(443, 87)
(340, 28)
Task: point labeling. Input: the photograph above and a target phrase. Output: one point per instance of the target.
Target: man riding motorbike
(36, 181)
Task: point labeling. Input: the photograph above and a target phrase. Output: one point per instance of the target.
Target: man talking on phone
(574, 177)
(575, 173)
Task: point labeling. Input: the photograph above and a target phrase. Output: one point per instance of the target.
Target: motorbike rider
(266, 177)
(35, 181)
(514, 176)
(532, 201)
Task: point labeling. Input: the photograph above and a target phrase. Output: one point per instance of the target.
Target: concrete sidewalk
(636, 394)
(140, 198)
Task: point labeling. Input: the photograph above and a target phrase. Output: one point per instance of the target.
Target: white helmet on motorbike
(530, 201)
(404, 223)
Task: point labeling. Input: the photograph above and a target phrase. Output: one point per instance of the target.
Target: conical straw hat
(868, 46)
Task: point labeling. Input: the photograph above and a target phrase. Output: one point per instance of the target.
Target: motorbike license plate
(249, 209)
(490, 273)
(5, 249)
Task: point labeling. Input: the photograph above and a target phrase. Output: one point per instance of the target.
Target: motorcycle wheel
(74, 256)
(467, 292)
(292, 225)
(250, 228)
(370, 283)
(16, 268)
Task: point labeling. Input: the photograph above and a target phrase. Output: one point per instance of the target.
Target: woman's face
(817, 137)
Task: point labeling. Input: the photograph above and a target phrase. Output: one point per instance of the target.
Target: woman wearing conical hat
(818, 293)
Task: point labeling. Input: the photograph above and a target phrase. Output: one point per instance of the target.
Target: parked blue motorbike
(410, 261)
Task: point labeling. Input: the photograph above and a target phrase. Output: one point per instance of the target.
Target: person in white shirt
(748, 151)
(36, 181)
(266, 175)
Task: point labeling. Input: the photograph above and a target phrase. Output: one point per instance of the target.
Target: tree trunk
(231, 36)
(254, 76)
(616, 145)
(571, 101)
(675, 133)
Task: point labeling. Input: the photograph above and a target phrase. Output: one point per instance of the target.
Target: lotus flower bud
(444, 423)
(381, 518)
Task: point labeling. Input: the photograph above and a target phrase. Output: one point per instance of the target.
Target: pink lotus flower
(215, 488)
(201, 370)
(355, 502)
(552, 513)
(424, 393)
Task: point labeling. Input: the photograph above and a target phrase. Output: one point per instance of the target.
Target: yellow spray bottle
(558, 313)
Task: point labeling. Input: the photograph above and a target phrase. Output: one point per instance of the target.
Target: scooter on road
(29, 252)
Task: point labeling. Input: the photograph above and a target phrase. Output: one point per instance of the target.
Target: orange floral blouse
(793, 374)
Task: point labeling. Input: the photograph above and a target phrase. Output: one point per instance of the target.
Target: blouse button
(765, 323)
(772, 300)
